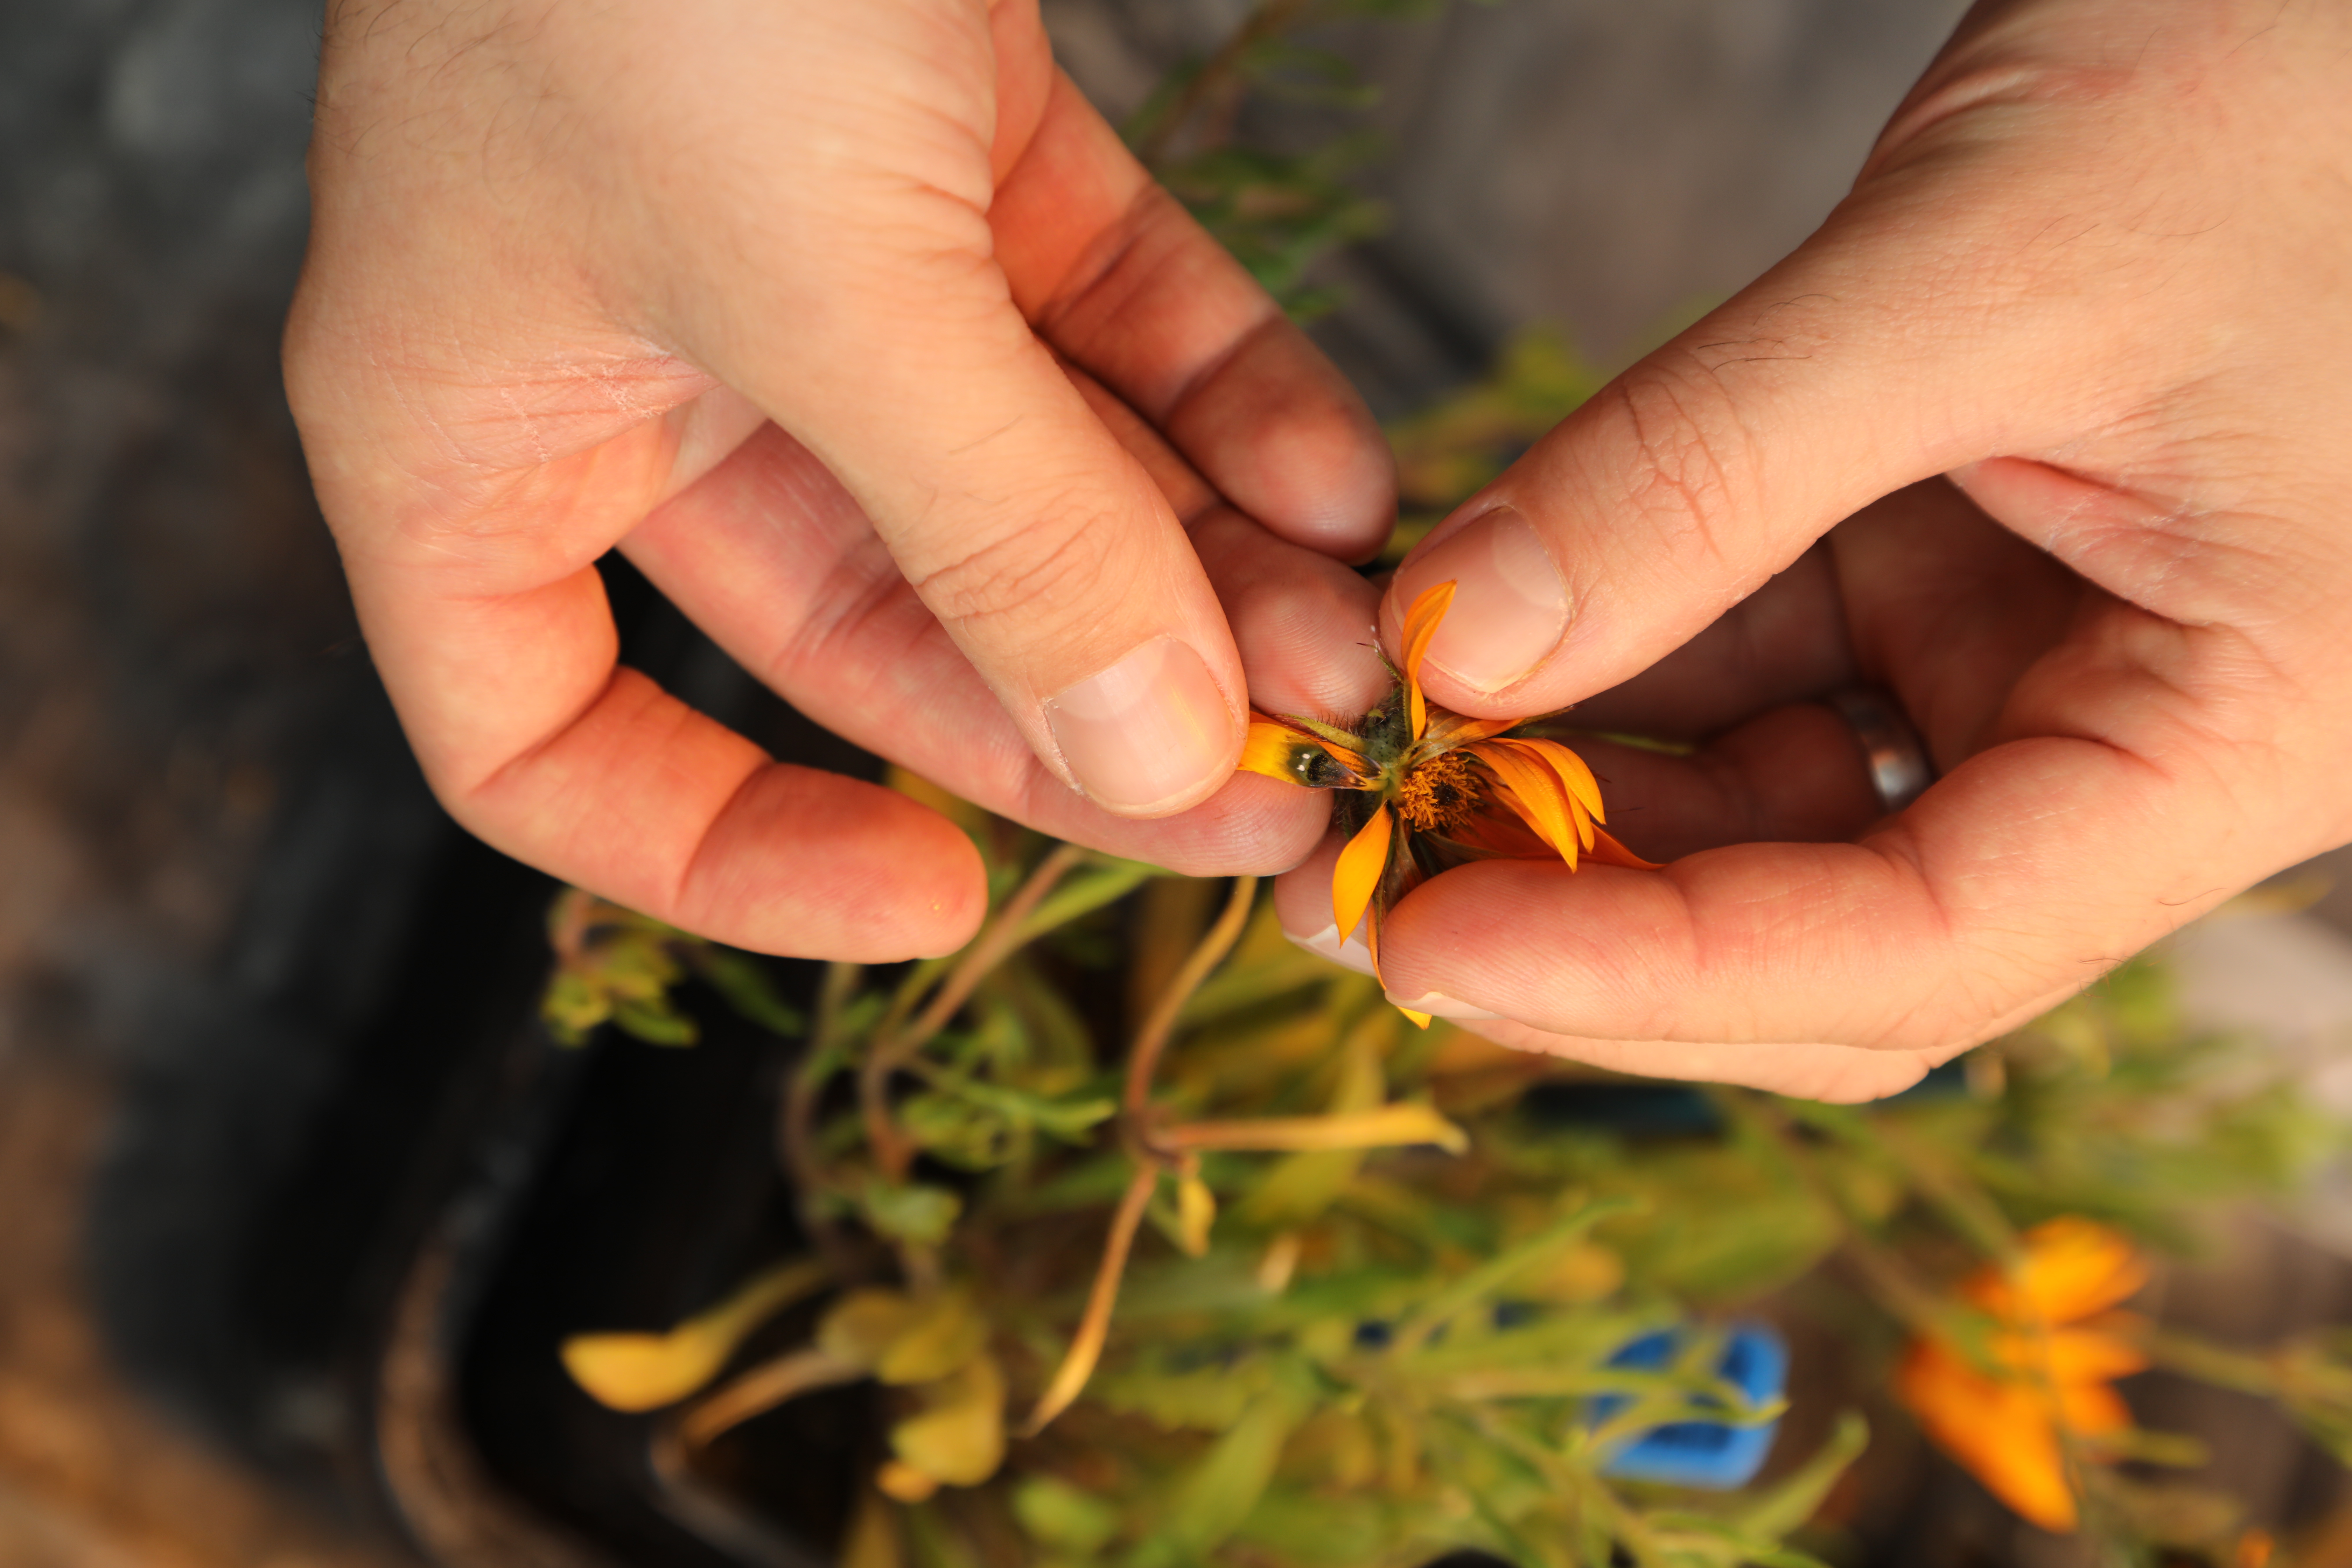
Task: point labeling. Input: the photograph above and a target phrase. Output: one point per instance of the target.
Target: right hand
(2095, 274)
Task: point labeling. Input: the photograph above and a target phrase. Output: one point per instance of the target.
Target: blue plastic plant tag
(1703, 1454)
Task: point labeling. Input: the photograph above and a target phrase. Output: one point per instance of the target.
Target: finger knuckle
(1038, 565)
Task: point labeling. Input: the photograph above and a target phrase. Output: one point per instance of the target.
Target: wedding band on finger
(1899, 769)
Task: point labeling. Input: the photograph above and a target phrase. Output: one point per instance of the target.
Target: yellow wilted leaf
(873, 1539)
(1392, 1126)
(960, 1440)
(945, 1333)
(1302, 1186)
(862, 1326)
(1584, 1273)
(636, 1371)
(1196, 1211)
(902, 1480)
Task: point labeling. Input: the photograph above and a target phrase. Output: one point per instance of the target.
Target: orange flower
(2059, 1347)
(1422, 790)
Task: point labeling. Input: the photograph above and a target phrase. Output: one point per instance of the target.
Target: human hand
(2094, 273)
(568, 263)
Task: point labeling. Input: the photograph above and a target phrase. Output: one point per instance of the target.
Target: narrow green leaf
(744, 982)
(657, 1022)
(1799, 1497)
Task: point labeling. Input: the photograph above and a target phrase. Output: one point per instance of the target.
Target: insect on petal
(1357, 877)
(1270, 748)
(1421, 625)
(1280, 748)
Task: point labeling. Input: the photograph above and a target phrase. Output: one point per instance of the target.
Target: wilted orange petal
(1535, 793)
(1503, 833)
(1510, 798)
(1421, 624)
(1358, 876)
(1573, 771)
(2001, 1432)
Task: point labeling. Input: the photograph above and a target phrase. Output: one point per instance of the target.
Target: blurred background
(214, 858)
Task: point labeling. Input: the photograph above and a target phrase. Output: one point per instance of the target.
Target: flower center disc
(1441, 795)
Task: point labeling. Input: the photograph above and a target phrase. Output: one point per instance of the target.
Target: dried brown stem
(1094, 1327)
(575, 910)
(1151, 1040)
(763, 1389)
(1142, 1059)
(1219, 75)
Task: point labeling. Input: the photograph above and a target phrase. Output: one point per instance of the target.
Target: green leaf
(572, 1007)
(912, 1212)
(1056, 1514)
(1798, 1498)
(744, 982)
(656, 1022)
(1484, 1281)
(954, 1128)
(1105, 879)
(1211, 1502)
(1180, 1389)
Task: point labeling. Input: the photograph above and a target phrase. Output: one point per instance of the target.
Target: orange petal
(1505, 796)
(1421, 625)
(1573, 771)
(2001, 1432)
(1534, 792)
(1501, 833)
(1607, 851)
(1447, 730)
(2071, 1267)
(1362, 865)
(1373, 940)
(2071, 1355)
(2092, 1409)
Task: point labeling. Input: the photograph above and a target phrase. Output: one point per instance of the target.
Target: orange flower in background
(1422, 790)
(2058, 1348)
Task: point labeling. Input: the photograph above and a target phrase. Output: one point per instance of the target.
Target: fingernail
(1510, 603)
(1144, 733)
(1349, 954)
(1438, 1004)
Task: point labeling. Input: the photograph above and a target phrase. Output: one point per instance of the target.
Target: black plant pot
(352, 1189)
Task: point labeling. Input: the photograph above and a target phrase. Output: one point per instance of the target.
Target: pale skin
(2096, 272)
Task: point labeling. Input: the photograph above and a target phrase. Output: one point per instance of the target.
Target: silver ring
(1899, 769)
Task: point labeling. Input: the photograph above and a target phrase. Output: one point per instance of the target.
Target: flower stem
(893, 1047)
(1151, 1039)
